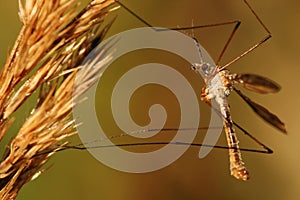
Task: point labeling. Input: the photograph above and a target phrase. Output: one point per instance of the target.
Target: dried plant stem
(51, 46)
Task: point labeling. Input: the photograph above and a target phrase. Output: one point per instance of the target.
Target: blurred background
(77, 175)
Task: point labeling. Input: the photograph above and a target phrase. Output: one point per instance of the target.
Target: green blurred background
(77, 175)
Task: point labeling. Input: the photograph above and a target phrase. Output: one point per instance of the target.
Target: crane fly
(219, 90)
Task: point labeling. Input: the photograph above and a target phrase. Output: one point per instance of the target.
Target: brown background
(77, 175)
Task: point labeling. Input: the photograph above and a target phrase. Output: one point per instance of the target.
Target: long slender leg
(268, 150)
(133, 13)
(177, 28)
(263, 40)
(91, 144)
(228, 42)
(236, 26)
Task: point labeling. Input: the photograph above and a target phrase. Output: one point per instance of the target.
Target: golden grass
(51, 46)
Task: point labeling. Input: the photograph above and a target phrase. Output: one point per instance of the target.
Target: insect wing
(264, 113)
(257, 83)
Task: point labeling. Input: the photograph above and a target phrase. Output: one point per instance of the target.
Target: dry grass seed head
(53, 41)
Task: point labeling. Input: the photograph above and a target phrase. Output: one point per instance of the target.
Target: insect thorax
(218, 84)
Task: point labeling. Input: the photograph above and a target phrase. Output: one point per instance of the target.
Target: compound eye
(205, 67)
